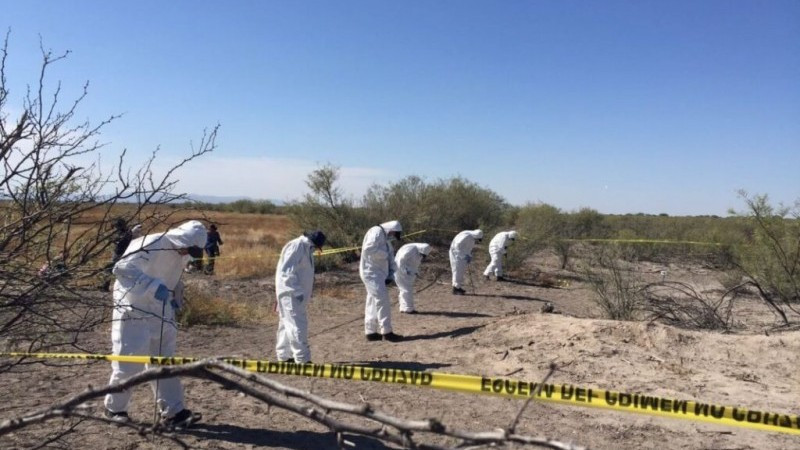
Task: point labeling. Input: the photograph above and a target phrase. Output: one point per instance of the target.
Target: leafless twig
(376, 424)
(515, 422)
(57, 204)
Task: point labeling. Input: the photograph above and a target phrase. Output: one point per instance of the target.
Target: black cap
(317, 237)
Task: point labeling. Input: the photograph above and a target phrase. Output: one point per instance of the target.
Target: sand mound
(629, 356)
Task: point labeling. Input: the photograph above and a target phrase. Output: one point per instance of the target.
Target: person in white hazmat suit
(294, 282)
(377, 269)
(461, 256)
(498, 247)
(408, 260)
(147, 293)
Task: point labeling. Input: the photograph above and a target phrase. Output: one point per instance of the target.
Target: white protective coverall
(136, 329)
(377, 265)
(497, 248)
(461, 254)
(407, 260)
(294, 282)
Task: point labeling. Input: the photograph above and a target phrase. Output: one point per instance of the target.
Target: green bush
(444, 207)
(539, 227)
(545, 226)
(771, 255)
(706, 239)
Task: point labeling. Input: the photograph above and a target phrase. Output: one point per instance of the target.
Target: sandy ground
(497, 331)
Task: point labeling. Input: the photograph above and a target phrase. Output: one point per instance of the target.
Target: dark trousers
(212, 253)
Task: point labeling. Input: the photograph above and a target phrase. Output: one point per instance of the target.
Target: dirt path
(497, 331)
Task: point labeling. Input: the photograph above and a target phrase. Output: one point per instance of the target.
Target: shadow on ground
(405, 365)
(458, 332)
(299, 440)
(509, 297)
(454, 314)
(546, 284)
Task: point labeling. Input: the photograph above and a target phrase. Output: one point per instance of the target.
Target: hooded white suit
(407, 260)
(294, 282)
(461, 254)
(377, 265)
(497, 248)
(150, 261)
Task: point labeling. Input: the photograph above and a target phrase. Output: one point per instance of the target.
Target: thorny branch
(377, 424)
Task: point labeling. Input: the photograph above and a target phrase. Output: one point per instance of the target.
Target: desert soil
(497, 331)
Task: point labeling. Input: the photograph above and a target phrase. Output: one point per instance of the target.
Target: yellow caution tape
(330, 251)
(414, 233)
(333, 251)
(557, 393)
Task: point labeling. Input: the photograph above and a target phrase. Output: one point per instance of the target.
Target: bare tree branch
(56, 210)
(377, 424)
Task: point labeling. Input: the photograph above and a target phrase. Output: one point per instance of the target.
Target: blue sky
(622, 106)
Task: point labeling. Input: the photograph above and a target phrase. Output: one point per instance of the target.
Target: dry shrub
(680, 304)
(618, 290)
(203, 308)
(49, 252)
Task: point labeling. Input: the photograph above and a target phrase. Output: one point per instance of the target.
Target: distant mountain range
(226, 199)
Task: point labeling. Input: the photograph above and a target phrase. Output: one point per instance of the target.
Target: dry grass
(252, 242)
(204, 308)
(335, 290)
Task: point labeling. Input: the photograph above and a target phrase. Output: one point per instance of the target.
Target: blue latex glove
(162, 293)
(468, 259)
